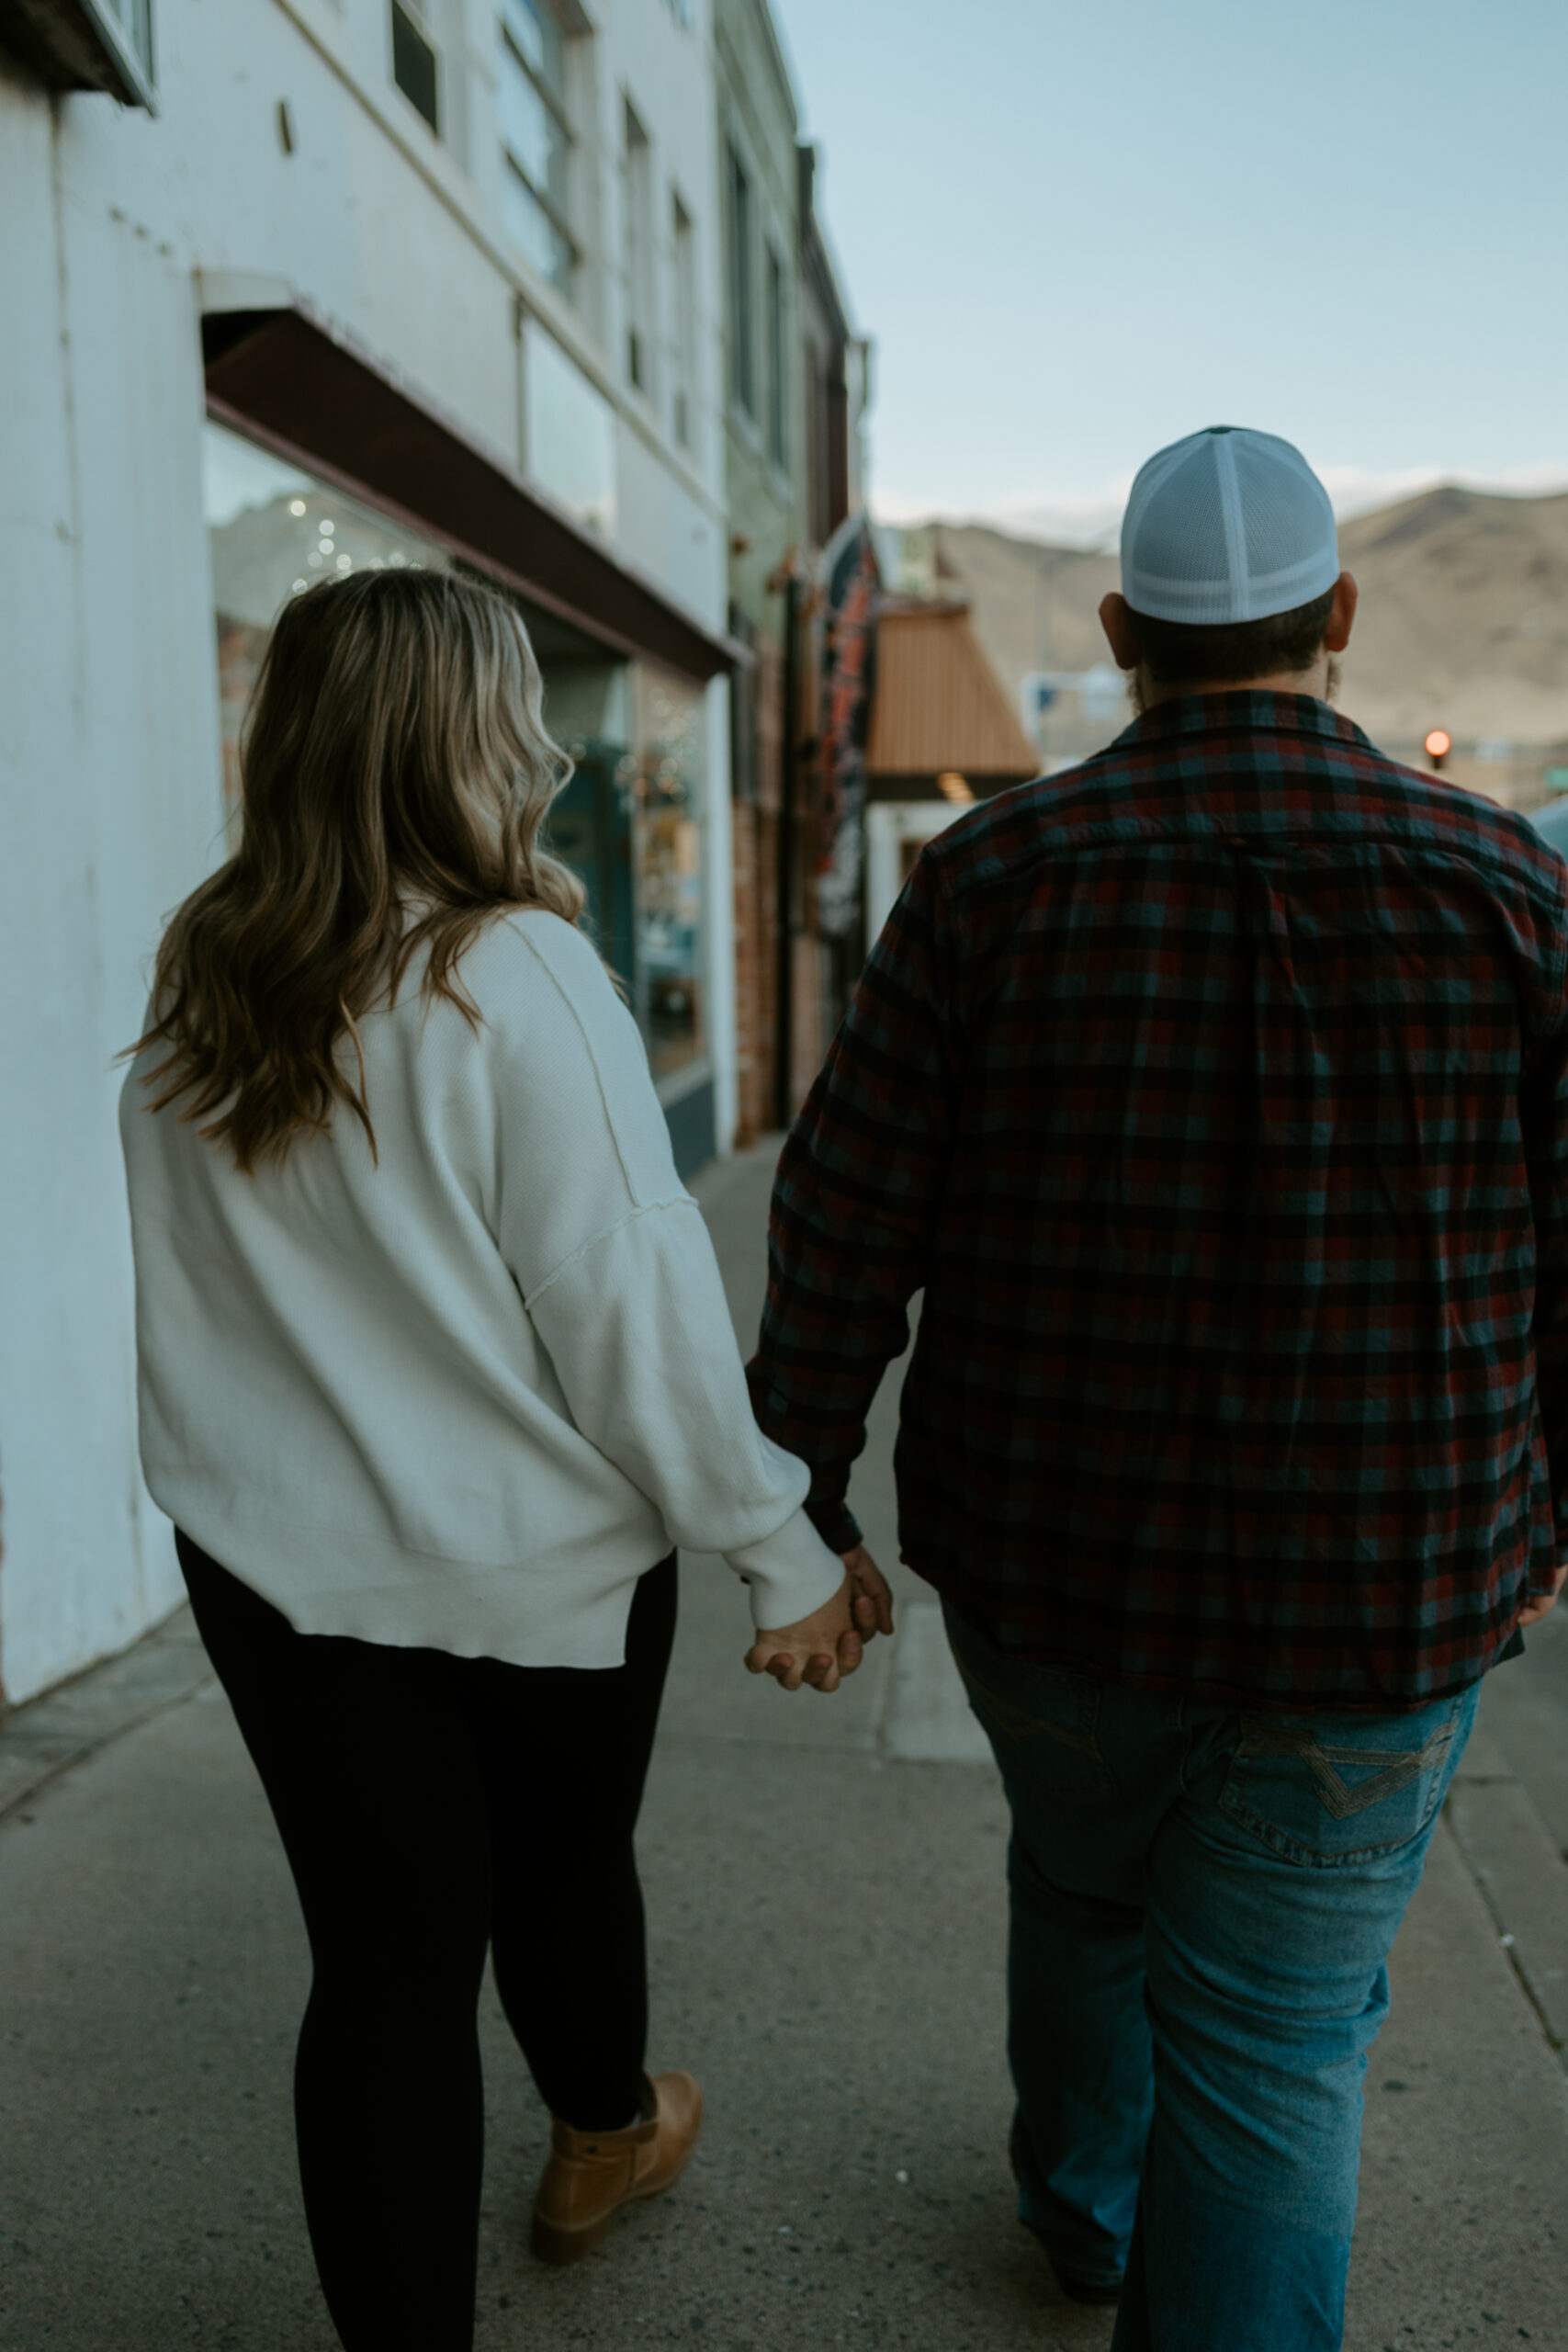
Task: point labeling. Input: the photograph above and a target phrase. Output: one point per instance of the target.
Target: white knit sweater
(461, 1398)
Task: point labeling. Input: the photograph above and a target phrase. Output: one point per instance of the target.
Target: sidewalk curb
(1508, 1851)
(62, 1726)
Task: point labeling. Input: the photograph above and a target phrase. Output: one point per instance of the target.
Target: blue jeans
(1202, 1902)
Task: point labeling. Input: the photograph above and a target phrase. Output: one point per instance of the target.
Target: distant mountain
(1463, 621)
(1033, 605)
(1464, 617)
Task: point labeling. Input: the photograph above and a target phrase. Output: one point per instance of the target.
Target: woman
(436, 1368)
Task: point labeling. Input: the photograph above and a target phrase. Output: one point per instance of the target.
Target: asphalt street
(825, 1891)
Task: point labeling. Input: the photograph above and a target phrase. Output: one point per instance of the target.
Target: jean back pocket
(1332, 1791)
(1043, 1722)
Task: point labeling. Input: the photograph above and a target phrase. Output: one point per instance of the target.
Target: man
(1215, 1095)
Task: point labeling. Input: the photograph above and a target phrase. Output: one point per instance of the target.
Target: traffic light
(1437, 746)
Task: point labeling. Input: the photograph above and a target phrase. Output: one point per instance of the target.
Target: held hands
(822, 1648)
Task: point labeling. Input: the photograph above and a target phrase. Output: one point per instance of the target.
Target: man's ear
(1341, 617)
(1116, 620)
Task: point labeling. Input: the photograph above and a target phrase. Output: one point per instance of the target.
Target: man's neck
(1150, 693)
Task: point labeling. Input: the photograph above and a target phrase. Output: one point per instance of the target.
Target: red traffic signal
(1437, 746)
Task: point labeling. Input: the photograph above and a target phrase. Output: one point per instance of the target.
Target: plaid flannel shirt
(1215, 1095)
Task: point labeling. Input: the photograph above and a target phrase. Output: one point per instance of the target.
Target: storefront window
(629, 821)
(667, 863)
(273, 530)
(588, 711)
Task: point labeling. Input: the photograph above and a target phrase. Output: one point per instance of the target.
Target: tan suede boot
(591, 2174)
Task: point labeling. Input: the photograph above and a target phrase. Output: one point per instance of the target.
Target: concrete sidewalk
(827, 1908)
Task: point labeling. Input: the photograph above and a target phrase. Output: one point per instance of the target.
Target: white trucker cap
(1226, 526)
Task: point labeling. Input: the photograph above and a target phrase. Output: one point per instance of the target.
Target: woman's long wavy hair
(395, 772)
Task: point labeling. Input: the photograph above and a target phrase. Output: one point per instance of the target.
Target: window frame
(684, 288)
(776, 324)
(640, 256)
(554, 103)
(741, 211)
(411, 14)
(106, 45)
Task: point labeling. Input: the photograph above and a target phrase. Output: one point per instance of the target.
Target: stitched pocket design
(1330, 1801)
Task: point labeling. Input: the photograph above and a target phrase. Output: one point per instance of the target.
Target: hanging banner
(849, 662)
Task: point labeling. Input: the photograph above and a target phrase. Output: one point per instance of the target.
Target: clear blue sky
(1078, 231)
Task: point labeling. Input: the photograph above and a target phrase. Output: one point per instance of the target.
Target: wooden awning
(939, 707)
(301, 388)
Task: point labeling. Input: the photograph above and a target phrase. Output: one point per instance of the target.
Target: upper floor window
(742, 353)
(132, 21)
(416, 66)
(778, 378)
(638, 197)
(537, 137)
(685, 325)
(86, 45)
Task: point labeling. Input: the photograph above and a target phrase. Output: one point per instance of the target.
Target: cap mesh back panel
(1177, 560)
(1282, 511)
(1181, 533)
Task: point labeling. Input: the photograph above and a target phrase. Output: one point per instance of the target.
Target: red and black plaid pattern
(1215, 1095)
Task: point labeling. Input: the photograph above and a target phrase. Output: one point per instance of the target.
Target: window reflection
(274, 531)
(536, 136)
(534, 29)
(631, 820)
(668, 873)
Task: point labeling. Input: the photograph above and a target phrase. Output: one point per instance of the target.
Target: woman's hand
(822, 1648)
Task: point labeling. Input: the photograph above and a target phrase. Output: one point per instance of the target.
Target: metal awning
(938, 704)
(301, 386)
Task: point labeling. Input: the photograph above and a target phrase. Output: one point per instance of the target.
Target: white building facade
(368, 282)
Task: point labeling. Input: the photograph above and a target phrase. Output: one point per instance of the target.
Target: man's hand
(820, 1649)
(1539, 1603)
(872, 1598)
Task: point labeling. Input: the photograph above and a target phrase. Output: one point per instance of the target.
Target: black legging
(429, 1805)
